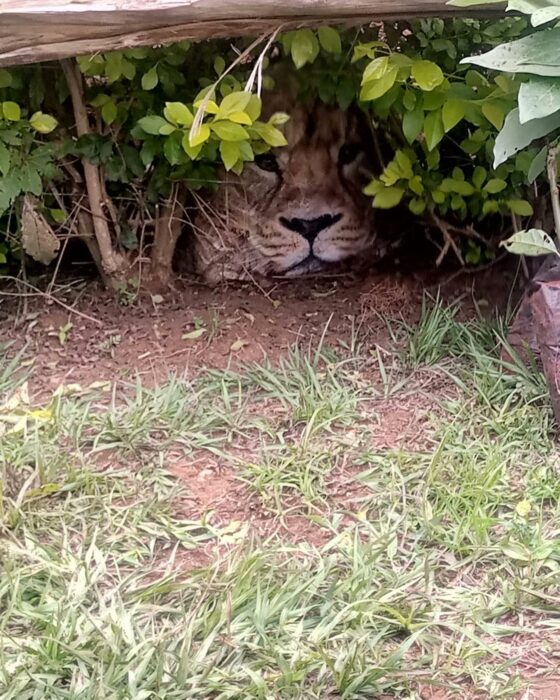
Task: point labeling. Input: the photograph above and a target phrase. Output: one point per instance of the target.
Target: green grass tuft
(436, 566)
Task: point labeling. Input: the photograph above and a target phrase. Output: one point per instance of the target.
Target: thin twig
(468, 271)
(38, 293)
(443, 227)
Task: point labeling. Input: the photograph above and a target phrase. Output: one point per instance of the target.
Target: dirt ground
(86, 337)
(81, 334)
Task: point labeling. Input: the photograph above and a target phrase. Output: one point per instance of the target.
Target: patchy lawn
(348, 519)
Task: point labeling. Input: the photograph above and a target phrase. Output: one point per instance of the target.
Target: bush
(107, 147)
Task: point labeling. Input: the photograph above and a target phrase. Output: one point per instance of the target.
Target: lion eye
(268, 162)
(348, 153)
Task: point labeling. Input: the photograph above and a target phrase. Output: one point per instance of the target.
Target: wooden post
(41, 30)
(536, 328)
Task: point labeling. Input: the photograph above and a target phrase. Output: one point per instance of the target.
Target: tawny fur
(251, 228)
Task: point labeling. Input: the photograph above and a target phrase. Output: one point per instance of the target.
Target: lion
(295, 210)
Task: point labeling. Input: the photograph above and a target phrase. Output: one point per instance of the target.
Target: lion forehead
(260, 217)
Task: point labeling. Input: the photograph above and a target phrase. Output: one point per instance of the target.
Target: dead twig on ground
(39, 293)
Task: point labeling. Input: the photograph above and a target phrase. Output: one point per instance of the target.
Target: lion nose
(310, 228)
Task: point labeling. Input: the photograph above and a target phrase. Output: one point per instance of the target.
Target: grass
(436, 565)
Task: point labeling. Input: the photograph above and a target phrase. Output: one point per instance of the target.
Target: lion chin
(297, 210)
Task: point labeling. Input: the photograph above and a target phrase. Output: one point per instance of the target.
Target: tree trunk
(169, 224)
(113, 263)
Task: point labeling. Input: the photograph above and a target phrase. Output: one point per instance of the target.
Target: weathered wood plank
(31, 30)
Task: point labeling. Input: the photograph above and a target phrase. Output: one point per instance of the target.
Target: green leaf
(400, 168)
(458, 174)
(167, 130)
(4, 159)
(30, 180)
(246, 150)
(495, 114)
(490, 207)
(373, 188)
(416, 185)
(254, 107)
(538, 164)
(5, 78)
(457, 203)
(520, 207)
(409, 100)
(329, 39)
(113, 66)
(152, 124)
(465, 189)
(533, 242)
(428, 75)
(150, 79)
(178, 113)
(109, 112)
(99, 100)
(376, 69)
(452, 112)
(304, 48)
(433, 129)
(240, 118)
(43, 123)
(388, 198)
(438, 196)
(544, 15)
(191, 151)
(232, 103)
(405, 164)
(417, 206)
(219, 65)
(199, 137)
(270, 134)
(228, 131)
(230, 153)
(11, 111)
(172, 149)
(210, 107)
(515, 136)
(479, 176)
(495, 185)
(538, 98)
(537, 53)
(59, 216)
(412, 124)
(376, 88)
(148, 152)
(128, 69)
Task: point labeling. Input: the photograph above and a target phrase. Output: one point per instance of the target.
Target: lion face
(295, 210)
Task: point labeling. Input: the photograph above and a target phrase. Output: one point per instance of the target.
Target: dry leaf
(37, 237)
(238, 345)
(193, 335)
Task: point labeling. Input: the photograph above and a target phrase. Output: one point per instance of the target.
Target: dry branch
(112, 261)
(169, 223)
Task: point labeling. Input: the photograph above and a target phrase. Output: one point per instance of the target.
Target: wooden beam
(32, 30)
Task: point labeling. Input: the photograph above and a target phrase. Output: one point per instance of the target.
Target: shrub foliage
(103, 147)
